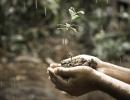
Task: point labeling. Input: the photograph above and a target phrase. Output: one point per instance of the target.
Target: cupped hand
(74, 80)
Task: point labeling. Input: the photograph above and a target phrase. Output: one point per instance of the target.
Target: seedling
(69, 26)
(74, 16)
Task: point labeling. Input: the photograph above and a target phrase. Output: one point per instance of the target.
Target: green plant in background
(24, 24)
(108, 46)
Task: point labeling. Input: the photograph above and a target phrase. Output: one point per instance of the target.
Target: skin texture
(75, 81)
(79, 80)
(115, 71)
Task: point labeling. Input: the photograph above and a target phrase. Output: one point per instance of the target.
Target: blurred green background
(30, 40)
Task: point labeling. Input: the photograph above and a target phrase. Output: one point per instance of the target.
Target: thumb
(72, 71)
(65, 72)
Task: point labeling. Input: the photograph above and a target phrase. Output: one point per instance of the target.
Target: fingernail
(55, 65)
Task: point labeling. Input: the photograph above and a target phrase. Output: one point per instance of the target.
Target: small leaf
(74, 29)
(81, 12)
(73, 14)
(75, 17)
(67, 25)
(72, 11)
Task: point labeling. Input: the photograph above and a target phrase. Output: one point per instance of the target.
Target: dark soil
(72, 62)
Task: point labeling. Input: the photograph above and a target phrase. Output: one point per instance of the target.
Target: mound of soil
(72, 62)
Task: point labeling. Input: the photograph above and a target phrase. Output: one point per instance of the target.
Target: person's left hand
(75, 80)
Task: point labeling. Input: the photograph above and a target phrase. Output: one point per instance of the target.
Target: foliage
(22, 22)
(24, 25)
(110, 46)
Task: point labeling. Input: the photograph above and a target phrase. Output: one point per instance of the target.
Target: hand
(75, 80)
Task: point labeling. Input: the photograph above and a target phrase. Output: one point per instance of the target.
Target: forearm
(114, 87)
(115, 71)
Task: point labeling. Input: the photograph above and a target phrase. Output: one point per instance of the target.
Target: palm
(75, 81)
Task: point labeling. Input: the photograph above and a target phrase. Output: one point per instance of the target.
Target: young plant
(68, 26)
(74, 16)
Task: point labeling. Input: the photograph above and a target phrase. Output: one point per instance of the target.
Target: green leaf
(73, 13)
(81, 12)
(75, 17)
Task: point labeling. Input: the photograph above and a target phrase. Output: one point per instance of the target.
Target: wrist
(112, 86)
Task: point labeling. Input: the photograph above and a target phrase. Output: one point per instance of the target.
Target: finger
(65, 72)
(51, 77)
(54, 65)
(72, 71)
(58, 81)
